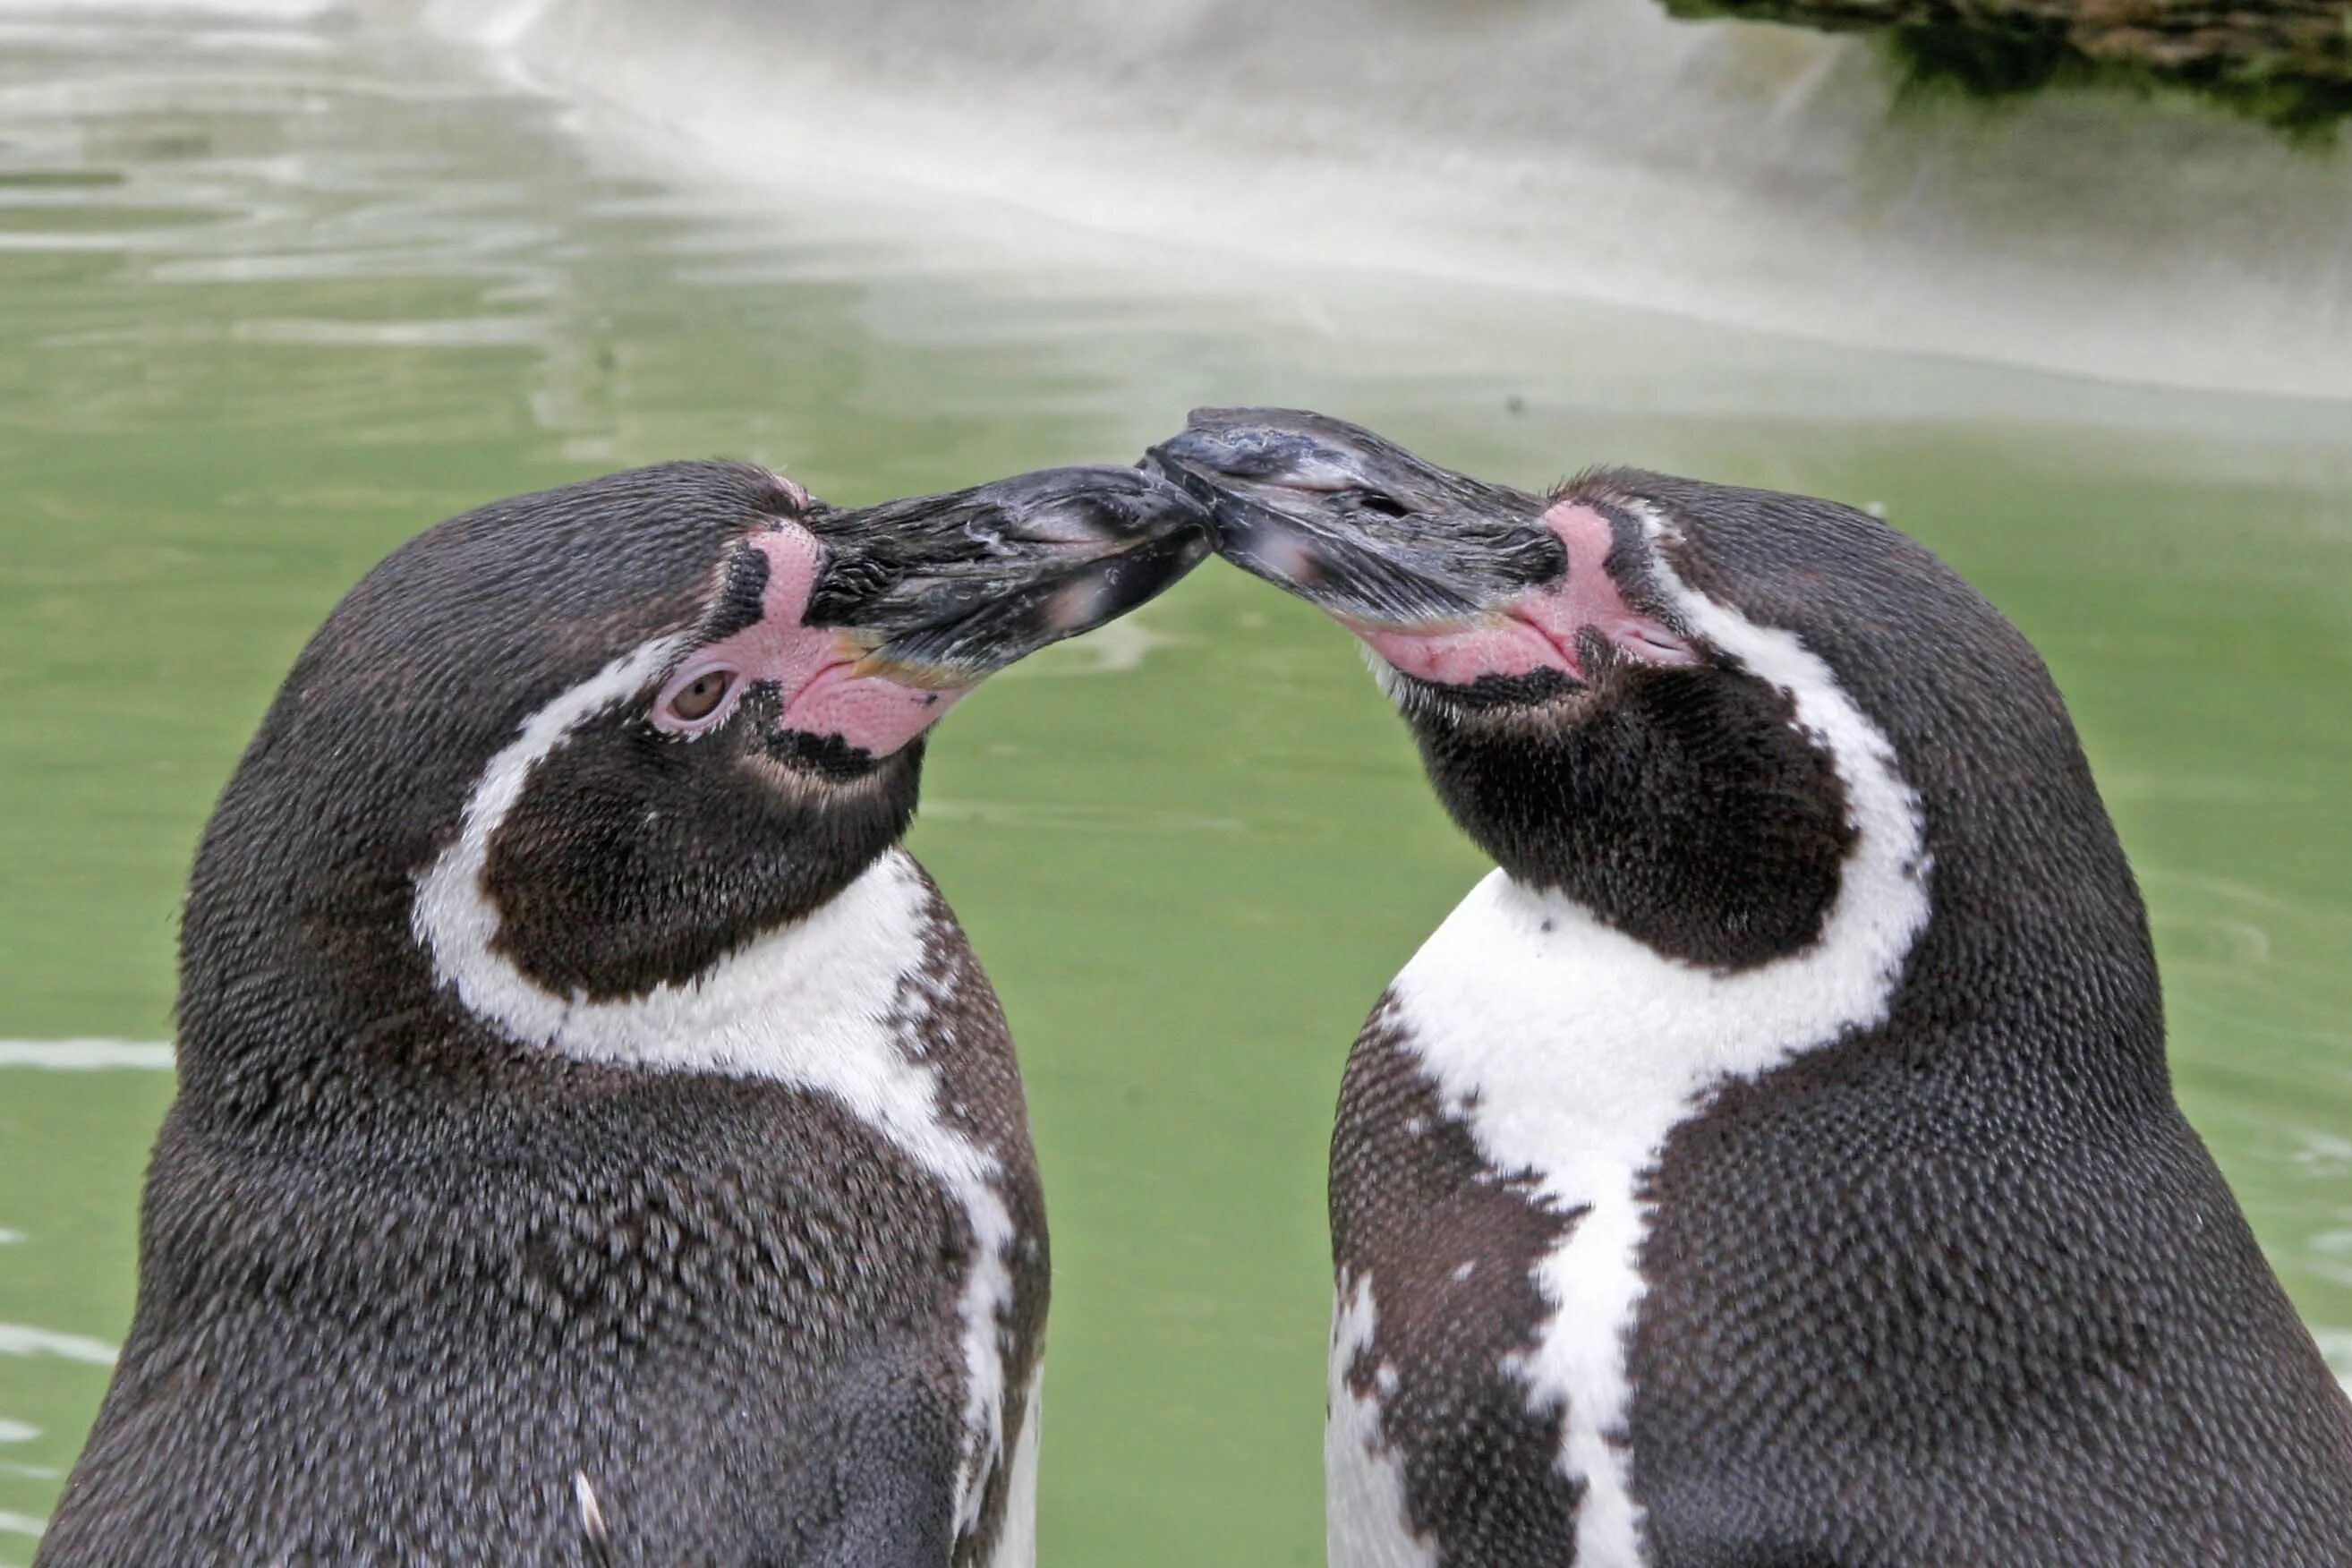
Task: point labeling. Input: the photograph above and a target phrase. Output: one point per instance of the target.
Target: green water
(274, 296)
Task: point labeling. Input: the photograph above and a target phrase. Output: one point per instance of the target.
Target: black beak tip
(1352, 523)
(1169, 505)
(1240, 445)
(1173, 469)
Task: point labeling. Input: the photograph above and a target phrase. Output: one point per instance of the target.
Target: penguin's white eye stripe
(698, 698)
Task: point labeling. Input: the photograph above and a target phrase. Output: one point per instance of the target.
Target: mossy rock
(2285, 62)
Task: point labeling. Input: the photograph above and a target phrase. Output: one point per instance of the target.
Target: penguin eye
(700, 697)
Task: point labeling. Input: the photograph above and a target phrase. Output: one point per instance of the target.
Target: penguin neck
(1984, 886)
(785, 1004)
(1695, 1022)
(1993, 910)
(326, 1023)
(308, 1024)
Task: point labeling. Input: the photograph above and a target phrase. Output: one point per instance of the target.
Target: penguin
(1773, 1163)
(596, 1142)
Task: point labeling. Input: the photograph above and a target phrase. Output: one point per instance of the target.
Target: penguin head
(580, 746)
(1688, 707)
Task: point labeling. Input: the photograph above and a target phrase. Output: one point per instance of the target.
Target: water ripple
(24, 1340)
(86, 1055)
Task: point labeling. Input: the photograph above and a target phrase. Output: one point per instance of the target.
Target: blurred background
(282, 281)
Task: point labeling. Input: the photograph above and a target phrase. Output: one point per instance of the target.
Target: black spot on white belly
(1449, 1245)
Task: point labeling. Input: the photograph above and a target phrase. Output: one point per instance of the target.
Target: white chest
(1572, 1050)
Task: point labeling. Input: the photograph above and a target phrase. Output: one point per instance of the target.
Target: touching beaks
(1357, 525)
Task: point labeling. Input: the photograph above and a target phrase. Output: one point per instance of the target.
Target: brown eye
(699, 697)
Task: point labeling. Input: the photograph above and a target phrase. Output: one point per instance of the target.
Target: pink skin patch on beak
(814, 668)
(1540, 630)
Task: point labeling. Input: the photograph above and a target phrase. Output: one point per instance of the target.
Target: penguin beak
(943, 591)
(1357, 526)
